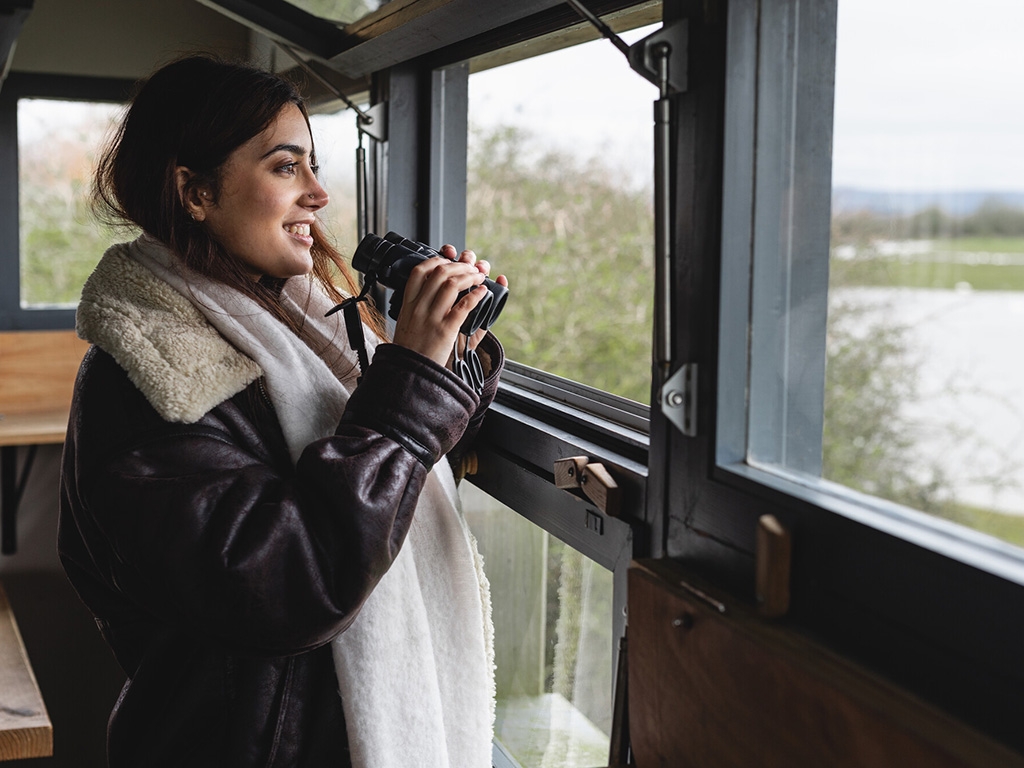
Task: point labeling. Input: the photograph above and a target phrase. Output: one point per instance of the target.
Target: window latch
(597, 484)
(678, 399)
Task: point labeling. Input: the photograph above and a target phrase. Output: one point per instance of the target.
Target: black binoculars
(390, 259)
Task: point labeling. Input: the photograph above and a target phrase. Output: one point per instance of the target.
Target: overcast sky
(929, 95)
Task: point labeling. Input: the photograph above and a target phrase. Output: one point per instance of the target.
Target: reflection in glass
(559, 199)
(925, 390)
(60, 240)
(552, 611)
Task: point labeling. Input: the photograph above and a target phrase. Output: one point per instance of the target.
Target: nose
(316, 195)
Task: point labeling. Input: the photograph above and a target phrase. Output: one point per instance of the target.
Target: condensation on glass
(60, 239)
(924, 397)
(559, 198)
(552, 611)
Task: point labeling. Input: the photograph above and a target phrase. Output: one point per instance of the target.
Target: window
(924, 401)
(335, 138)
(338, 11)
(51, 130)
(879, 322)
(826, 333)
(552, 609)
(60, 239)
(559, 199)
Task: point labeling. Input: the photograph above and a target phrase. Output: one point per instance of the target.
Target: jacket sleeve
(203, 527)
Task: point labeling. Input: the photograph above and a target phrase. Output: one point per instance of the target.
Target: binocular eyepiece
(390, 260)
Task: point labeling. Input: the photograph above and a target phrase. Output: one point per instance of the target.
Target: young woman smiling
(256, 529)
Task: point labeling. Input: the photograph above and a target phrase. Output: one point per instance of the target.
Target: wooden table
(37, 375)
(25, 729)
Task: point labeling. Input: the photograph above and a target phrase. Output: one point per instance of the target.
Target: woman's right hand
(430, 318)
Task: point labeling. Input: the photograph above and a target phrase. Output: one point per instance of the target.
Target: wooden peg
(774, 552)
(568, 472)
(600, 488)
(468, 465)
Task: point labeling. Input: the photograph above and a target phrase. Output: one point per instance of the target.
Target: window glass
(336, 139)
(924, 396)
(339, 11)
(60, 240)
(559, 199)
(552, 611)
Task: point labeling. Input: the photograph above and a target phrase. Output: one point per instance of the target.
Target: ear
(194, 197)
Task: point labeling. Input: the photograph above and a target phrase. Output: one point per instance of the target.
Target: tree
(577, 247)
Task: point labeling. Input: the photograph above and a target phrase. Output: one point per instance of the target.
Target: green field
(948, 265)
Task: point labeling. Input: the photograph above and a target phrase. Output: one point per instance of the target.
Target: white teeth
(297, 229)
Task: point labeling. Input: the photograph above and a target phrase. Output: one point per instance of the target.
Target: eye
(315, 169)
(288, 169)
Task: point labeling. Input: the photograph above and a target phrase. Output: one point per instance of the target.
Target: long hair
(195, 112)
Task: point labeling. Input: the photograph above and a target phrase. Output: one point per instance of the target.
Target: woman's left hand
(467, 256)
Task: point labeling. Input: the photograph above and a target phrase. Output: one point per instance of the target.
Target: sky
(928, 98)
(584, 100)
(928, 95)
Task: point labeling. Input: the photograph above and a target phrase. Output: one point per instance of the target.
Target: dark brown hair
(195, 112)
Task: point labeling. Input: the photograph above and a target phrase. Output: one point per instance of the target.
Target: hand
(484, 267)
(430, 318)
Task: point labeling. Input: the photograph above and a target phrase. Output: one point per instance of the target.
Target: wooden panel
(729, 689)
(38, 369)
(25, 729)
(37, 376)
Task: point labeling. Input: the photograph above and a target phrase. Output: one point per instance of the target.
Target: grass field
(983, 264)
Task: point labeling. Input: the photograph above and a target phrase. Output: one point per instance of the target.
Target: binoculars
(391, 258)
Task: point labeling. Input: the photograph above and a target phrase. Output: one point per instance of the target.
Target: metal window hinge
(678, 399)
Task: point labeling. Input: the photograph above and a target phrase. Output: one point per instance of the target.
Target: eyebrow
(293, 148)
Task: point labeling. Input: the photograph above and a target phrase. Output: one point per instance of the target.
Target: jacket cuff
(412, 400)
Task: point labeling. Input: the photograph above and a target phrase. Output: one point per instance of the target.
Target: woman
(254, 531)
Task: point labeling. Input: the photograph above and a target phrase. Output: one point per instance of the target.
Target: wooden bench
(37, 375)
(25, 729)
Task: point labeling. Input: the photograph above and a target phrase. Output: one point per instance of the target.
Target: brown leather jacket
(219, 572)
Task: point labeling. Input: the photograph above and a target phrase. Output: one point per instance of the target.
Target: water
(969, 415)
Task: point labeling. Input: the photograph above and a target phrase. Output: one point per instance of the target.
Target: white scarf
(416, 667)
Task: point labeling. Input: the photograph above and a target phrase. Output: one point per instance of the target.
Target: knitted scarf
(415, 668)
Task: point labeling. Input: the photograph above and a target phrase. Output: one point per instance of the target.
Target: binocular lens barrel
(391, 258)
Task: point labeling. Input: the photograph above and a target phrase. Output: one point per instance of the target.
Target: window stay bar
(650, 58)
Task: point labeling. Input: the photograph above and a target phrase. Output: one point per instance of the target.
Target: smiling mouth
(297, 229)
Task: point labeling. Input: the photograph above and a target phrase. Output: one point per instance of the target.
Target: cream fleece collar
(182, 365)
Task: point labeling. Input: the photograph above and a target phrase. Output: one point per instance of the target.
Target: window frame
(24, 85)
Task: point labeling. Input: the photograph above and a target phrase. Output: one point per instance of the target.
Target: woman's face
(269, 195)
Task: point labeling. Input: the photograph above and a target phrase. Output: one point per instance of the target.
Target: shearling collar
(182, 365)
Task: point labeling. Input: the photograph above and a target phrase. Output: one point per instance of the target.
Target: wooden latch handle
(569, 471)
(593, 479)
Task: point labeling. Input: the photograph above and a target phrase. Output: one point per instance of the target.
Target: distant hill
(847, 199)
